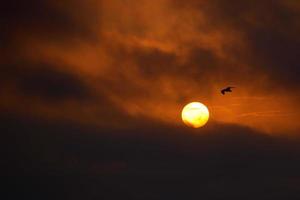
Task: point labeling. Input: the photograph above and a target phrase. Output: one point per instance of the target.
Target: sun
(195, 114)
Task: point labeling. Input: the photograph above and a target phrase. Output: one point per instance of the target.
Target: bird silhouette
(228, 89)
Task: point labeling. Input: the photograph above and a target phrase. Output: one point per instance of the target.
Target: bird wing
(228, 89)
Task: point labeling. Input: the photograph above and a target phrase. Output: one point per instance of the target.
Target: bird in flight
(228, 89)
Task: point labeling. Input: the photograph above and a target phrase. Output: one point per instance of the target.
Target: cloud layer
(65, 160)
(148, 59)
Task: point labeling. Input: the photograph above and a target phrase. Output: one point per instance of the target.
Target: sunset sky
(91, 94)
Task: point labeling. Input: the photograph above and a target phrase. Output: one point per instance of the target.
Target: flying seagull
(228, 89)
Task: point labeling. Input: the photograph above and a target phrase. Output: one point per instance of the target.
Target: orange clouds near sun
(150, 58)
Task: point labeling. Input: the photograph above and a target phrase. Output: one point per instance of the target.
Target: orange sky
(106, 62)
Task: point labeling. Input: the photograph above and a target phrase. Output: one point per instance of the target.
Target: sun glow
(195, 114)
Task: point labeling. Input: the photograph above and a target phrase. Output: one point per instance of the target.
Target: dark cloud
(44, 81)
(153, 62)
(199, 65)
(278, 54)
(43, 19)
(64, 160)
(53, 85)
(269, 30)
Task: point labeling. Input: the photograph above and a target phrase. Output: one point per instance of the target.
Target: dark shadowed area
(59, 160)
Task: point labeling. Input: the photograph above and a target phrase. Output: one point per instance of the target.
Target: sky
(91, 94)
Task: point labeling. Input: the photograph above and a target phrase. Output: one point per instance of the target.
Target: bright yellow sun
(195, 114)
